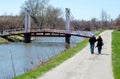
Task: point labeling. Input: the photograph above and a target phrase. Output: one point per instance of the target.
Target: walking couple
(99, 45)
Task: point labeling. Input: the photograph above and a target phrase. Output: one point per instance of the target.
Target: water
(18, 58)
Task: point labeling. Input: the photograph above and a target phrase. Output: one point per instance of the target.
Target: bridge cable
(75, 25)
(35, 20)
(19, 21)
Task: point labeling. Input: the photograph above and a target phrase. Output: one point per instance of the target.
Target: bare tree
(105, 19)
(37, 8)
(117, 24)
(52, 16)
(8, 22)
(43, 14)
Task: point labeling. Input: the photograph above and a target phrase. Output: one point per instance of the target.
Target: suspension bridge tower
(27, 25)
(67, 36)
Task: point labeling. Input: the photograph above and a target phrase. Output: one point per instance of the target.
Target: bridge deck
(47, 33)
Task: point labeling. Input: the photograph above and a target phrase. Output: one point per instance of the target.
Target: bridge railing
(21, 30)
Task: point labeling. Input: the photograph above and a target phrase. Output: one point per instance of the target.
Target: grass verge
(116, 53)
(55, 61)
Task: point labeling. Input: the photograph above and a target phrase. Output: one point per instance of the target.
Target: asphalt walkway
(84, 65)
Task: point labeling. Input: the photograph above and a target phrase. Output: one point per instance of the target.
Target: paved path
(84, 65)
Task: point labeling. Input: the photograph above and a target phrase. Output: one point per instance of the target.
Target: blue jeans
(92, 48)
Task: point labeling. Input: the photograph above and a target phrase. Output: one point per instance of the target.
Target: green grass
(3, 41)
(55, 61)
(116, 53)
(16, 38)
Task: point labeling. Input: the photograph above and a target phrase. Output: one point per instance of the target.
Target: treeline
(46, 16)
(8, 22)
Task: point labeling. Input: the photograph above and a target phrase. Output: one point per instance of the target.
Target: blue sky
(80, 9)
(10, 6)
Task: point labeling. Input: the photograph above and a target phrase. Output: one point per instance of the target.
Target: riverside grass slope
(55, 61)
(13, 38)
(116, 53)
(3, 41)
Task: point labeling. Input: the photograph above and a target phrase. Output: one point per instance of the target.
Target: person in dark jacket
(92, 41)
(99, 44)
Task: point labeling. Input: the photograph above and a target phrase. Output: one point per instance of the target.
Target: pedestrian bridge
(27, 32)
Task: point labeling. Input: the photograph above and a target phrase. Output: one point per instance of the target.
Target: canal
(18, 58)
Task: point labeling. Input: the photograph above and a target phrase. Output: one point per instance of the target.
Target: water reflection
(67, 46)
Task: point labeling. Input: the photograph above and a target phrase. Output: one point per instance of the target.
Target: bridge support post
(27, 34)
(67, 38)
(27, 37)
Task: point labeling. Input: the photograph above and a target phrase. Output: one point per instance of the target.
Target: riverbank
(3, 41)
(11, 39)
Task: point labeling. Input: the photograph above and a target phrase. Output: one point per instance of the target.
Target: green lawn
(116, 53)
